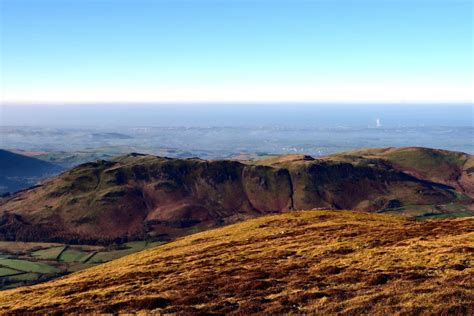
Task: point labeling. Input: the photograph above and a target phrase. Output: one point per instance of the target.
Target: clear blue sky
(340, 50)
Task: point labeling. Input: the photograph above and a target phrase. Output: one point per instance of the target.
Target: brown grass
(323, 262)
(24, 247)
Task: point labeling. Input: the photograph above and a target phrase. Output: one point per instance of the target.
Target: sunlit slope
(323, 262)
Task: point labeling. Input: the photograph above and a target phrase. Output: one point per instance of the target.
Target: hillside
(455, 169)
(19, 171)
(298, 262)
(154, 198)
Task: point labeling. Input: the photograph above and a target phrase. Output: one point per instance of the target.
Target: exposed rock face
(139, 196)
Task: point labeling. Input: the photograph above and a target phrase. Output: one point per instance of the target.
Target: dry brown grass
(22, 247)
(323, 262)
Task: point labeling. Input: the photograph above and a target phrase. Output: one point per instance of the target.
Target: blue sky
(340, 50)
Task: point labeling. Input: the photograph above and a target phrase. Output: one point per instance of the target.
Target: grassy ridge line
(300, 262)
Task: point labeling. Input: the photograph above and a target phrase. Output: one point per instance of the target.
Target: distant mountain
(148, 197)
(19, 171)
(308, 262)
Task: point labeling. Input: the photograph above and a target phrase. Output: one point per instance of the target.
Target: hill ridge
(144, 196)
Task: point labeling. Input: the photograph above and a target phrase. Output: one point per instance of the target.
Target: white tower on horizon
(377, 123)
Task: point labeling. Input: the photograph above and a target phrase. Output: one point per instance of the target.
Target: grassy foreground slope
(323, 262)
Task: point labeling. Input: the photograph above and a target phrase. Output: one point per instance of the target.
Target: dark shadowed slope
(323, 262)
(19, 172)
(142, 196)
(452, 168)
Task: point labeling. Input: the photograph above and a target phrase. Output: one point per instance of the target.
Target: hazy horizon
(239, 114)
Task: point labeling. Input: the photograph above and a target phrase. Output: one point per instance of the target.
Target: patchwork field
(26, 263)
(324, 262)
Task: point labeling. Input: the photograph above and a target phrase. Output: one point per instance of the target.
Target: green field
(26, 277)
(72, 255)
(446, 215)
(127, 248)
(28, 266)
(49, 253)
(7, 271)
